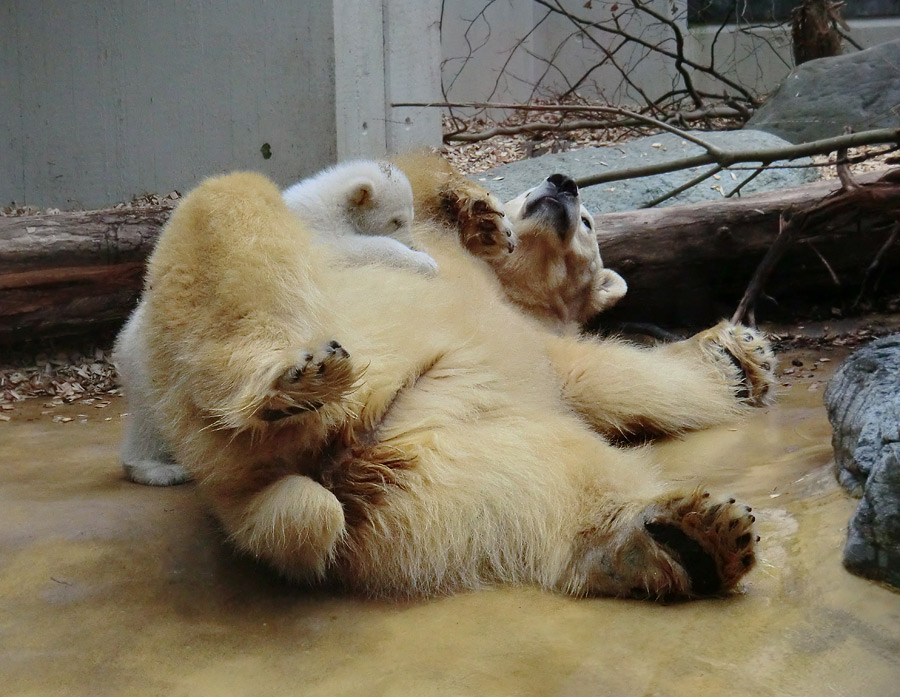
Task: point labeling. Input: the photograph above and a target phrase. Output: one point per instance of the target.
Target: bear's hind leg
(713, 542)
(312, 379)
(293, 524)
(678, 546)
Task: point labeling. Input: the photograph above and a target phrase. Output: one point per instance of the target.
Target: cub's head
(362, 197)
(379, 200)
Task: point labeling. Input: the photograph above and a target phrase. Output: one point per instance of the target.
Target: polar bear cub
(364, 210)
(361, 209)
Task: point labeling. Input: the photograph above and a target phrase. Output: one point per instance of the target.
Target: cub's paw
(746, 354)
(423, 263)
(713, 541)
(316, 378)
(154, 473)
(608, 289)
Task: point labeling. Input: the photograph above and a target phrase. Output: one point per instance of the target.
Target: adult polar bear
(400, 434)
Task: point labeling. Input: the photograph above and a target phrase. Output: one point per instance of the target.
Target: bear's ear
(360, 193)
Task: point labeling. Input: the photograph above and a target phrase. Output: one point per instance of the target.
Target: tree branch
(762, 155)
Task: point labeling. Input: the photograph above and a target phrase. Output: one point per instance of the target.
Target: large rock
(863, 402)
(820, 98)
(508, 181)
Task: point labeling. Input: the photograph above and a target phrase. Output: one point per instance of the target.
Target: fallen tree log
(81, 272)
(75, 272)
(690, 265)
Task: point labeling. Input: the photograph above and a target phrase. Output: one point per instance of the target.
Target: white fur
(146, 459)
(363, 210)
(404, 435)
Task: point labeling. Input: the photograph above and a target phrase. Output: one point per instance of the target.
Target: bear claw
(745, 352)
(713, 543)
(317, 378)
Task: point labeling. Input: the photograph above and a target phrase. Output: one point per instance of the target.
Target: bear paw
(153, 473)
(485, 230)
(316, 378)
(712, 541)
(423, 263)
(745, 353)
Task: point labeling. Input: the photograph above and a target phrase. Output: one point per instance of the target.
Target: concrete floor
(110, 588)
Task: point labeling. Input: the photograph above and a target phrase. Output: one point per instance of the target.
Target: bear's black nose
(563, 184)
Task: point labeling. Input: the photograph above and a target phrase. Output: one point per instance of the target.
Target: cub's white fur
(362, 210)
(146, 459)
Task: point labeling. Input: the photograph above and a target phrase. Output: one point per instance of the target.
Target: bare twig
(538, 128)
(746, 307)
(763, 155)
(617, 30)
(684, 187)
(715, 112)
(679, 50)
(834, 276)
(876, 262)
(736, 191)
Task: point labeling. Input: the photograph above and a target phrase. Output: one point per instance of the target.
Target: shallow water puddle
(109, 588)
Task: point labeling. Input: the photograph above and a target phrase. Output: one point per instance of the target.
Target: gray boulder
(863, 402)
(508, 181)
(819, 98)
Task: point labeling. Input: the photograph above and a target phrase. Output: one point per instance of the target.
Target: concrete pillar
(386, 51)
(359, 80)
(412, 72)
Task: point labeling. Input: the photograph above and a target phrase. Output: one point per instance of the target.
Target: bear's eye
(586, 221)
(397, 223)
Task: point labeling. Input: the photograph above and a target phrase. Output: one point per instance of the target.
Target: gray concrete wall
(520, 38)
(476, 51)
(412, 69)
(761, 59)
(101, 100)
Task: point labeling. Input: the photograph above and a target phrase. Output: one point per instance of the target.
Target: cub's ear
(360, 192)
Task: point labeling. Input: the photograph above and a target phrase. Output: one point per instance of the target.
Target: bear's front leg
(628, 392)
(744, 356)
(314, 378)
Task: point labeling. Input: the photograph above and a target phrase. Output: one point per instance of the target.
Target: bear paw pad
(314, 379)
(712, 541)
(746, 352)
(485, 231)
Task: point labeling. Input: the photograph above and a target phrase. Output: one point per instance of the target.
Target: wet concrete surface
(111, 588)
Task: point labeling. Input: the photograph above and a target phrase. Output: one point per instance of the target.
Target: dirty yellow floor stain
(111, 588)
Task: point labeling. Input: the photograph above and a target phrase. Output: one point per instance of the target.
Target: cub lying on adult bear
(405, 435)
